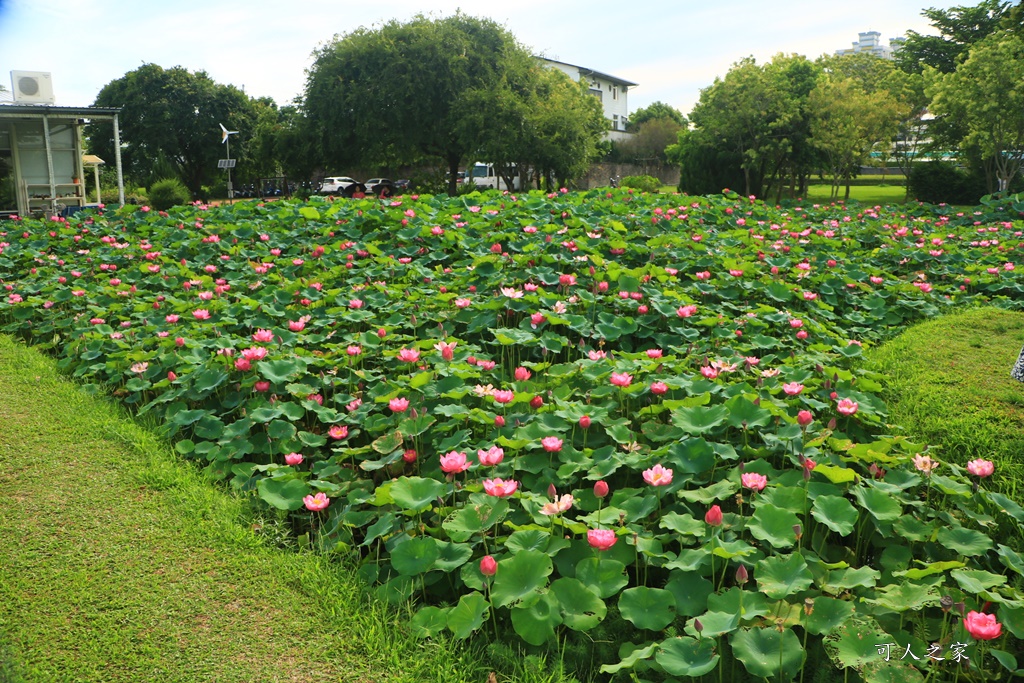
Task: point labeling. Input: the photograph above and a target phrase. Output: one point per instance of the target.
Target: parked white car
(336, 184)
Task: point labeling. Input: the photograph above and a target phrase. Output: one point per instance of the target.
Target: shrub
(937, 181)
(644, 183)
(167, 193)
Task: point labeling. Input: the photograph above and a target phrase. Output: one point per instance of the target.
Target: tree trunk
(453, 175)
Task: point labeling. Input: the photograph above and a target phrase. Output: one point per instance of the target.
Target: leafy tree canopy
(959, 28)
(408, 91)
(169, 122)
(655, 110)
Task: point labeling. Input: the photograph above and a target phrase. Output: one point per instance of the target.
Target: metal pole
(117, 160)
(49, 163)
(96, 174)
(231, 192)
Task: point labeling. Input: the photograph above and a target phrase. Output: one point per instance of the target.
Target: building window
(615, 121)
(615, 93)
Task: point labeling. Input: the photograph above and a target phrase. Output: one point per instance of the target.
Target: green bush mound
(644, 183)
(167, 193)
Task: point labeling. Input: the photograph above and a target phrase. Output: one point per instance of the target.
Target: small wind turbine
(225, 138)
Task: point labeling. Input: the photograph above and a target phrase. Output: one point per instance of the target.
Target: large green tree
(169, 124)
(959, 27)
(408, 92)
(655, 110)
(985, 94)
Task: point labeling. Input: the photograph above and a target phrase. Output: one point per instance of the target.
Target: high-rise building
(870, 42)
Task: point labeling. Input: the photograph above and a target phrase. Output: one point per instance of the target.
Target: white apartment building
(612, 91)
(871, 43)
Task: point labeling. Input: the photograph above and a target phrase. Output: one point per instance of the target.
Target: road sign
(226, 163)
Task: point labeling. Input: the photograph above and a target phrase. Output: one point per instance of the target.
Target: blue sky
(672, 49)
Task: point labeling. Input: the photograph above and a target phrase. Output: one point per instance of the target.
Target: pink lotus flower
(754, 481)
(713, 517)
(792, 388)
(658, 388)
(654, 353)
(537, 319)
(703, 275)
(796, 322)
(293, 459)
(596, 355)
(409, 455)
(491, 457)
(243, 365)
(925, 463)
(453, 462)
(551, 444)
(982, 626)
(621, 379)
(447, 349)
(736, 273)
(486, 364)
(658, 476)
(338, 432)
(353, 405)
(503, 396)
(462, 303)
(262, 336)
(254, 353)
(355, 303)
(846, 406)
(981, 468)
(602, 539)
(709, 371)
(398, 405)
(296, 325)
(201, 314)
(172, 318)
(522, 374)
(488, 566)
(557, 507)
(686, 311)
(804, 418)
(317, 502)
(500, 488)
(408, 355)
(353, 350)
(585, 421)
(262, 386)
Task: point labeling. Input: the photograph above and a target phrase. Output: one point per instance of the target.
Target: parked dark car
(402, 184)
(381, 186)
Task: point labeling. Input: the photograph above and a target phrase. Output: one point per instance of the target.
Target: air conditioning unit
(32, 87)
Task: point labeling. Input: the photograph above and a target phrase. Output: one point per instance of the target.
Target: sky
(671, 49)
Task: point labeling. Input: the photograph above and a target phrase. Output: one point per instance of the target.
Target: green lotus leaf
(852, 644)
(747, 604)
(629, 660)
(581, 609)
(827, 614)
(881, 505)
(388, 443)
(467, 616)
(699, 419)
(835, 512)
(520, 578)
(280, 370)
(929, 569)
(687, 656)
(280, 429)
(284, 494)
(691, 591)
(416, 494)
(743, 414)
(975, 581)
(765, 652)
(649, 608)
(451, 556)
(536, 623)
(415, 556)
(604, 577)
(963, 541)
(781, 576)
(847, 578)
(714, 624)
(774, 525)
(429, 621)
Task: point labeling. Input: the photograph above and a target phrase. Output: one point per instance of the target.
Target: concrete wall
(599, 174)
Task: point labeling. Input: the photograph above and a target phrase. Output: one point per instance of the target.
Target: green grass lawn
(118, 562)
(866, 194)
(949, 386)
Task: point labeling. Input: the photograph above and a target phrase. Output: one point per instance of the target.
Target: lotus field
(629, 419)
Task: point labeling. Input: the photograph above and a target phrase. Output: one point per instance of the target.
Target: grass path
(949, 386)
(119, 563)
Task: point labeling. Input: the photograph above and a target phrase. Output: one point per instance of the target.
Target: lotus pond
(638, 423)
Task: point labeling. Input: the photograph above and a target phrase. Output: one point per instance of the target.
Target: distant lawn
(866, 194)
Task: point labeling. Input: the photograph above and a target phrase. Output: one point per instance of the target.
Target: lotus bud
(552, 492)
(799, 531)
(697, 626)
(488, 566)
(600, 488)
(742, 575)
(832, 424)
(959, 607)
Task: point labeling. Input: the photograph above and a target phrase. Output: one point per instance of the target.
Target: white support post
(117, 161)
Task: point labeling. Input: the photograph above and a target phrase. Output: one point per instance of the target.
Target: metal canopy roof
(9, 111)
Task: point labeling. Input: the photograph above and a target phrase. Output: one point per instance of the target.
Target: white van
(485, 177)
